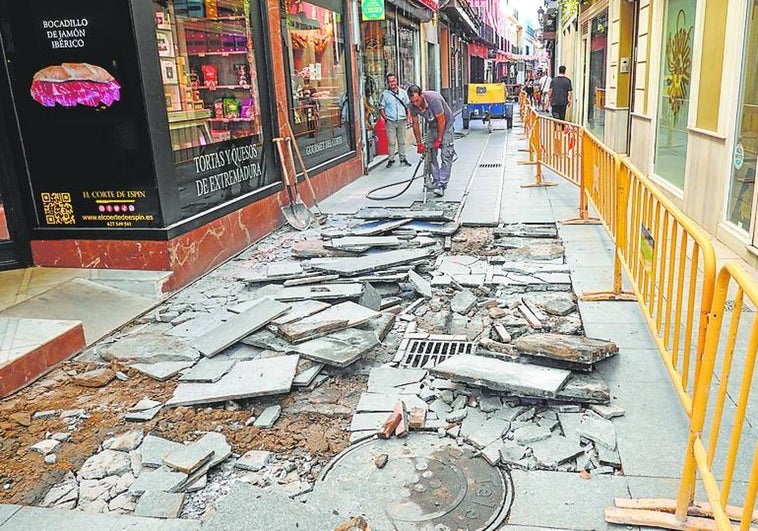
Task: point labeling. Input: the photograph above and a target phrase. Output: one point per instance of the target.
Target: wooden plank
(703, 509)
(616, 515)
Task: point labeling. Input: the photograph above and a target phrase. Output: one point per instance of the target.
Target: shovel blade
(297, 215)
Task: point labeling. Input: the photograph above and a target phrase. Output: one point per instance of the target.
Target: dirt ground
(25, 478)
(474, 241)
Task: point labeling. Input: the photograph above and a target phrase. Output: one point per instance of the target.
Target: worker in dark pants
(439, 134)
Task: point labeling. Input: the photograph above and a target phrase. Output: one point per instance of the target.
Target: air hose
(371, 193)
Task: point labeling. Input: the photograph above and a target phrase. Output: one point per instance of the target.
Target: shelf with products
(222, 54)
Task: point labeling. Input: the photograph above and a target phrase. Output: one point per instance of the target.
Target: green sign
(372, 10)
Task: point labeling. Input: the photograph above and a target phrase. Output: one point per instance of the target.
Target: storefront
(146, 128)
(390, 46)
(596, 59)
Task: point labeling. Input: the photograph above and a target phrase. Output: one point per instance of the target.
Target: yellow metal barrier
(703, 452)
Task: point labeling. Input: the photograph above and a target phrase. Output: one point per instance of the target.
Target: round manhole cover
(426, 481)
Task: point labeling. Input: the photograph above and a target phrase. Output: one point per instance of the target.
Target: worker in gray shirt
(393, 106)
(439, 133)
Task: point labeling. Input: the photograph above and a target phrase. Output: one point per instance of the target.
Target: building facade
(140, 135)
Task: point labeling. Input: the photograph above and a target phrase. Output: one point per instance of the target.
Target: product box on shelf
(219, 135)
(211, 8)
(196, 42)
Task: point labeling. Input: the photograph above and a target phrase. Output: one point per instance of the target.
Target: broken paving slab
(373, 228)
(338, 317)
(488, 432)
(149, 347)
(361, 243)
(339, 349)
(370, 298)
(585, 389)
(307, 371)
(381, 378)
(246, 380)
(368, 421)
(267, 340)
(555, 451)
(188, 458)
(315, 249)
(299, 311)
(598, 430)
(153, 449)
(403, 213)
(143, 415)
(283, 270)
(321, 292)
(433, 227)
(239, 326)
(162, 371)
(519, 379)
(208, 370)
(578, 350)
(217, 443)
(463, 302)
(527, 230)
(382, 325)
(156, 504)
(370, 262)
(385, 402)
(162, 480)
(421, 285)
(268, 417)
(254, 460)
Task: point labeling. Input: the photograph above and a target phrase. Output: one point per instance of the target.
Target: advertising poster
(76, 85)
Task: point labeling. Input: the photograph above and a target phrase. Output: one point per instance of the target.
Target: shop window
(741, 189)
(210, 78)
(320, 112)
(596, 92)
(408, 48)
(674, 91)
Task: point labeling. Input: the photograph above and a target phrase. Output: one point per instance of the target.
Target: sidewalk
(486, 190)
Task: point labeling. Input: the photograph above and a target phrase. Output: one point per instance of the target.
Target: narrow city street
(422, 365)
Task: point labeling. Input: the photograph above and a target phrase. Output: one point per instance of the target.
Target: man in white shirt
(544, 83)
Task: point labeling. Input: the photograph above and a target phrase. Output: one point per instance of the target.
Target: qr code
(58, 209)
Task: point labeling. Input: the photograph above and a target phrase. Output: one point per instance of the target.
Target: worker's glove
(437, 144)
(420, 148)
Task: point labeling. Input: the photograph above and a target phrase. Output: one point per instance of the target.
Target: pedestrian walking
(529, 88)
(559, 96)
(544, 83)
(393, 106)
(440, 137)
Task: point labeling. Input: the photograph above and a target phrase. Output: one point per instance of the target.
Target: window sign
(78, 97)
(674, 91)
(320, 114)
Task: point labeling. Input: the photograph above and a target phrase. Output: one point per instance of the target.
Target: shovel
(296, 213)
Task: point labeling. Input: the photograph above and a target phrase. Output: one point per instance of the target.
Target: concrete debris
(105, 463)
(421, 285)
(299, 311)
(306, 372)
(188, 458)
(402, 213)
(311, 279)
(218, 444)
(527, 230)
(153, 449)
(565, 348)
(95, 378)
(149, 347)
(157, 504)
(371, 298)
(160, 480)
(585, 389)
(162, 371)
(598, 430)
(269, 417)
(338, 317)
(321, 292)
(378, 227)
(46, 447)
(254, 460)
(463, 302)
(339, 349)
(369, 263)
(208, 370)
(125, 442)
(608, 412)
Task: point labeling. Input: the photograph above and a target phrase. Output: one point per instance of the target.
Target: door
(14, 239)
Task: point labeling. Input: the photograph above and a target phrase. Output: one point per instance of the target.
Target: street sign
(372, 10)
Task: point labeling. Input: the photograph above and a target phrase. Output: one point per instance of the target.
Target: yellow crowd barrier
(728, 473)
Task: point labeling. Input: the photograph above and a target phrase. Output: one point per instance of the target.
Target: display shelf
(225, 87)
(232, 120)
(222, 54)
(213, 19)
(183, 116)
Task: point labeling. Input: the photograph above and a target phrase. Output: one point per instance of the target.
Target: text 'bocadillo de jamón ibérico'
(72, 84)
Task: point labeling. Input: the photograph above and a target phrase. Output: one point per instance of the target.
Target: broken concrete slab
(299, 311)
(488, 432)
(381, 378)
(511, 453)
(315, 249)
(321, 292)
(385, 402)
(527, 230)
(368, 421)
(246, 380)
(105, 463)
(555, 450)
(268, 417)
(421, 285)
(340, 316)
(153, 449)
(598, 430)
(283, 270)
(188, 458)
(125, 442)
(254, 460)
(149, 347)
(381, 325)
(362, 243)
(311, 279)
(239, 326)
(572, 349)
(143, 415)
(208, 370)
(403, 213)
(433, 227)
(267, 340)
(339, 349)
(156, 504)
(608, 457)
(95, 378)
(370, 262)
(46, 446)
(586, 389)
(377, 227)
(161, 480)
(217, 443)
(463, 302)
(531, 433)
(371, 298)
(162, 371)
(307, 370)
(514, 378)
(608, 412)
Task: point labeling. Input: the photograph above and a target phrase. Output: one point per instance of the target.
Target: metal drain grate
(429, 352)
(491, 165)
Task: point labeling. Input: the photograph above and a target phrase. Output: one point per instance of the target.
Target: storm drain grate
(491, 165)
(429, 352)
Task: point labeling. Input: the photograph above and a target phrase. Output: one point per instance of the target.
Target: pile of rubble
(481, 347)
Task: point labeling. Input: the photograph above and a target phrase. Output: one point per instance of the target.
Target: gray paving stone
(149, 347)
(489, 404)
(307, 371)
(300, 310)
(160, 504)
(377, 227)
(287, 269)
(555, 450)
(143, 415)
(373, 262)
(162, 371)
(508, 413)
(125, 442)
(361, 243)
(492, 452)
(41, 519)
(188, 458)
(473, 421)
(598, 430)
(344, 315)
(489, 432)
(161, 480)
(566, 348)
(608, 412)
(217, 443)
(153, 449)
(608, 457)
(440, 408)
(381, 325)
(514, 378)
(511, 452)
(339, 349)
(585, 389)
(105, 463)
(368, 421)
(388, 377)
(379, 213)
(254, 460)
(370, 298)
(463, 302)
(268, 340)
(268, 417)
(530, 433)
(246, 380)
(46, 446)
(239, 326)
(208, 370)
(421, 285)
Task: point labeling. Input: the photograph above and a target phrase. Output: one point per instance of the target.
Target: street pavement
(486, 186)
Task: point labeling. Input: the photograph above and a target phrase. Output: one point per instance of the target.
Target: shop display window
(206, 50)
(674, 91)
(320, 110)
(745, 156)
(596, 93)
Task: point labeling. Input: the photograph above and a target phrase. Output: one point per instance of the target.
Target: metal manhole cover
(491, 165)
(426, 481)
(427, 353)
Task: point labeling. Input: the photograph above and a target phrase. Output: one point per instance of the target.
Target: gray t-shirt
(435, 104)
(561, 86)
